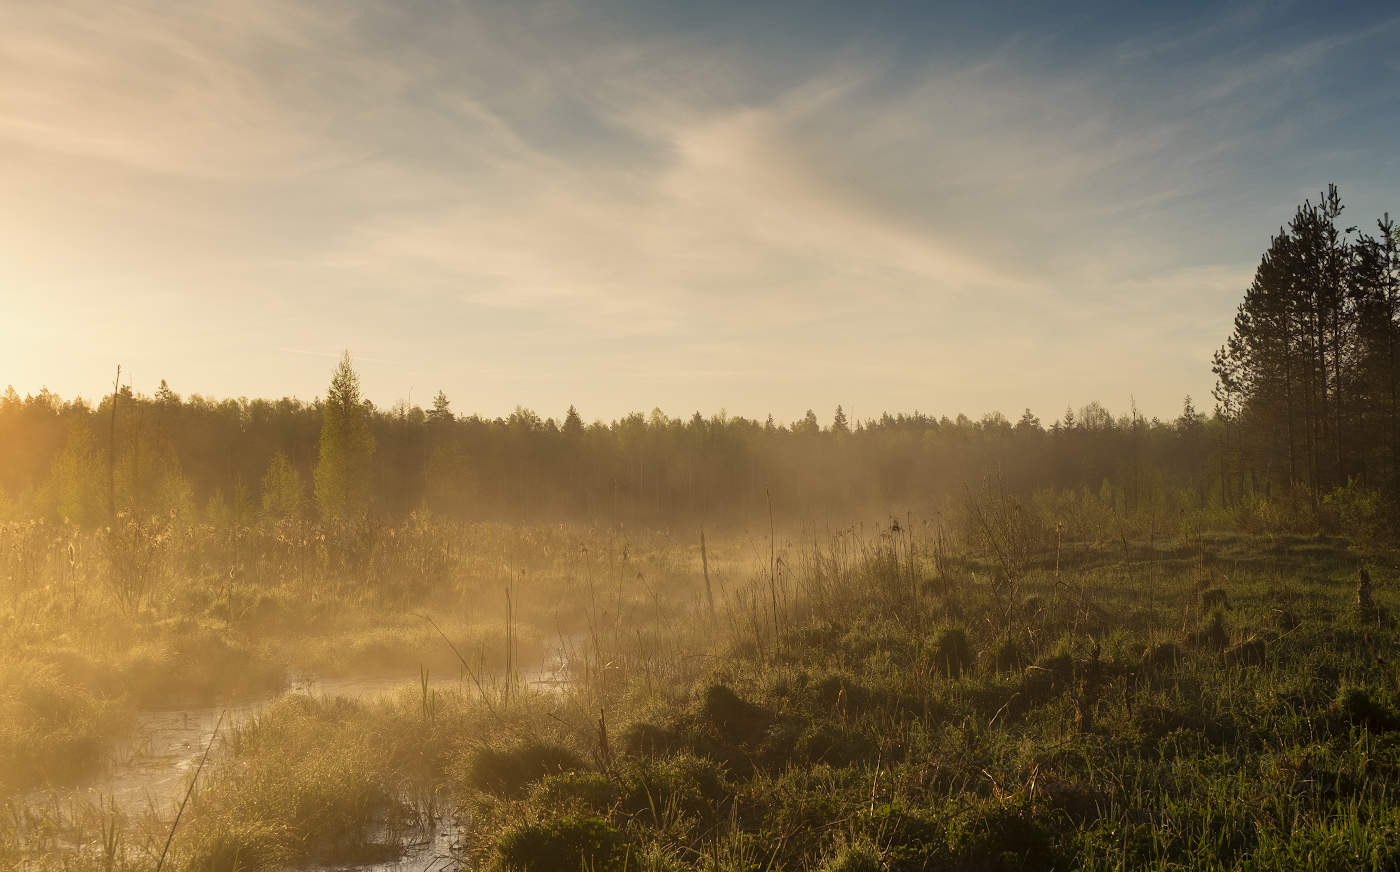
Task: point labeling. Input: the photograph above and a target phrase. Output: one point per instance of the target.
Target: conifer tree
(573, 424)
(344, 471)
(441, 412)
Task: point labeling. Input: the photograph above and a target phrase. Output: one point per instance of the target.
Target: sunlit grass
(910, 695)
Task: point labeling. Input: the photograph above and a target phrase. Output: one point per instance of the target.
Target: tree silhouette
(839, 423)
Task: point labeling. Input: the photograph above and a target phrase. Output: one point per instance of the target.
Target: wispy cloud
(527, 179)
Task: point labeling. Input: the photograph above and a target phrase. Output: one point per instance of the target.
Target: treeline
(1309, 379)
(1306, 425)
(249, 460)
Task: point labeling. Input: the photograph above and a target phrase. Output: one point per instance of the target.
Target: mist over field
(619, 436)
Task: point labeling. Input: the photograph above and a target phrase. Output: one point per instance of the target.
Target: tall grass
(984, 691)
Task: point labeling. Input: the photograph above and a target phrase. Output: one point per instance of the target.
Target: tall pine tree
(344, 471)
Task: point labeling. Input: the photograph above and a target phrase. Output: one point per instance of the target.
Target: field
(973, 693)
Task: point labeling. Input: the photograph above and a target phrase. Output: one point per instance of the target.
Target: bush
(732, 718)
(912, 842)
(692, 786)
(860, 857)
(1002, 836)
(564, 844)
(644, 739)
(1355, 511)
(508, 772)
(50, 728)
(1365, 707)
(1162, 656)
(233, 845)
(952, 652)
(1008, 656)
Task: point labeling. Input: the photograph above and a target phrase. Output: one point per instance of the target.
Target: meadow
(1001, 686)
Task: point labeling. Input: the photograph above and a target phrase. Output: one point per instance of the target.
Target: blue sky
(696, 206)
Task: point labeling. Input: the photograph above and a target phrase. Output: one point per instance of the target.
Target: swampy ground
(901, 697)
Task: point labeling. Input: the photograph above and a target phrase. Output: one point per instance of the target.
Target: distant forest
(1305, 416)
(242, 460)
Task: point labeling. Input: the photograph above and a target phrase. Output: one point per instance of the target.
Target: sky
(756, 208)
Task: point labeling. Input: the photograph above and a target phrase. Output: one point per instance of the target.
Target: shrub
(689, 785)
(564, 844)
(732, 718)
(1365, 707)
(912, 842)
(952, 652)
(1212, 634)
(1356, 511)
(1000, 835)
(592, 790)
(508, 772)
(1008, 655)
(644, 739)
(860, 857)
(1163, 655)
(234, 845)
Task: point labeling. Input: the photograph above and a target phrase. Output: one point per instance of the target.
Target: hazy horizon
(622, 206)
(1047, 417)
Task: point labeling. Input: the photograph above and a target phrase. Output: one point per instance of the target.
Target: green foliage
(1358, 511)
(283, 494)
(75, 480)
(1091, 478)
(1313, 352)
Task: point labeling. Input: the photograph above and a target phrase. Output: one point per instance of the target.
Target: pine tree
(1306, 382)
(344, 471)
(573, 424)
(441, 412)
(839, 423)
(1375, 293)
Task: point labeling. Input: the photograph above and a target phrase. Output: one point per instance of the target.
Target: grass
(906, 700)
(224, 616)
